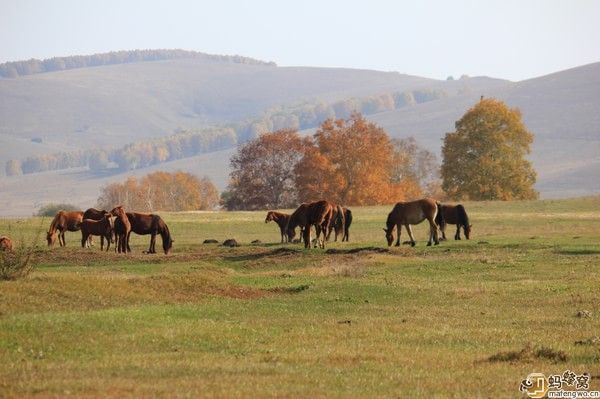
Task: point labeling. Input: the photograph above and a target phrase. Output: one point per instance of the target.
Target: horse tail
(439, 217)
(461, 215)
(348, 220)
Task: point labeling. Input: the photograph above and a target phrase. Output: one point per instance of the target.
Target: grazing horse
(318, 214)
(282, 220)
(414, 212)
(122, 228)
(453, 214)
(62, 222)
(297, 218)
(149, 223)
(103, 228)
(6, 244)
(338, 223)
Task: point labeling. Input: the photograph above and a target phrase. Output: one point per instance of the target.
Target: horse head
(51, 238)
(269, 217)
(467, 229)
(389, 236)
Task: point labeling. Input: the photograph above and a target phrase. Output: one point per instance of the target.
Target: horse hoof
(412, 244)
(428, 244)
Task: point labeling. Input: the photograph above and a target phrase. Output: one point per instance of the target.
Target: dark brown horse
(318, 214)
(347, 223)
(338, 223)
(453, 214)
(63, 221)
(414, 212)
(103, 228)
(149, 223)
(282, 220)
(122, 228)
(6, 244)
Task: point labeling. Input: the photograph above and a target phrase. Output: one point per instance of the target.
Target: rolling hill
(112, 105)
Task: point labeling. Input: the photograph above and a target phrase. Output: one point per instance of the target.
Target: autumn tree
(263, 172)
(415, 168)
(349, 162)
(484, 159)
(178, 191)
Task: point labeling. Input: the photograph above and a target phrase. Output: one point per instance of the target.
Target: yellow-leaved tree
(484, 159)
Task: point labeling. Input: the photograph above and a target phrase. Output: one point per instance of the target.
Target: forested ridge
(15, 69)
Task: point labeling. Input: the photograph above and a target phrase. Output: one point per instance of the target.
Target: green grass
(208, 321)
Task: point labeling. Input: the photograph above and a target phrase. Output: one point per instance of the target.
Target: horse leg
(457, 235)
(107, 242)
(83, 239)
(152, 249)
(410, 234)
(127, 248)
(306, 237)
(433, 232)
(62, 235)
(102, 243)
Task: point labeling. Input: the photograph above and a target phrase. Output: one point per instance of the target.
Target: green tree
(484, 159)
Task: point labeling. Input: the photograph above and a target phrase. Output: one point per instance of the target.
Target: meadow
(462, 319)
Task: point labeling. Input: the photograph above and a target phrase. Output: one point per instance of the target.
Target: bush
(16, 263)
(52, 209)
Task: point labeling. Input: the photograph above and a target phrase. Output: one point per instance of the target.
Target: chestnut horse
(96, 214)
(338, 223)
(148, 223)
(318, 214)
(453, 214)
(6, 244)
(282, 220)
(414, 212)
(122, 228)
(103, 228)
(63, 221)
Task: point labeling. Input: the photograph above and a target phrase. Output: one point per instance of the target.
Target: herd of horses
(114, 226)
(326, 217)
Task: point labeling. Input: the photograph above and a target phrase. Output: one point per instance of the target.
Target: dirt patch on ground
(377, 250)
(528, 354)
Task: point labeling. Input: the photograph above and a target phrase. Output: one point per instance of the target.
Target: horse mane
(55, 222)
(461, 215)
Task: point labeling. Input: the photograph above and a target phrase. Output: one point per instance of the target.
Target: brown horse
(453, 214)
(6, 244)
(414, 212)
(318, 214)
(63, 221)
(148, 223)
(282, 220)
(338, 223)
(122, 228)
(96, 214)
(103, 228)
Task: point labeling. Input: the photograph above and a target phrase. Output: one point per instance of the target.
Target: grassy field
(271, 320)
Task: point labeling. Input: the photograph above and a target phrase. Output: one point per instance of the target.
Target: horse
(103, 228)
(96, 214)
(338, 223)
(318, 214)
(62, 222)
(149, 223)
(122, 228)
(453, 214)
(282, 220)
(297, 218)
(6, 244)
(414, 212)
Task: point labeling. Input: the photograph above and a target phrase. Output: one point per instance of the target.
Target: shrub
(52, 209)
(16, 263)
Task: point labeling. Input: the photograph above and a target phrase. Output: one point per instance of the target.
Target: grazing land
(275, 320)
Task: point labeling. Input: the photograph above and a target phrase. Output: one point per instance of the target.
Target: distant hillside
(110, 106)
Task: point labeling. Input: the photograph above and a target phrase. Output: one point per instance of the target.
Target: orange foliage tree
(351, 162)
(178, 191)
(484, 159)
(263, 172)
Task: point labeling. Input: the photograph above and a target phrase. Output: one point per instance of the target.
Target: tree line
(178, 191)
(21, 68)
(193, 142)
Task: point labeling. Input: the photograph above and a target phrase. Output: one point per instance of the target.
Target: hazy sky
(513, 39)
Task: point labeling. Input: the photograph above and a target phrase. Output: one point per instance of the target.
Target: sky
(510, 39)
